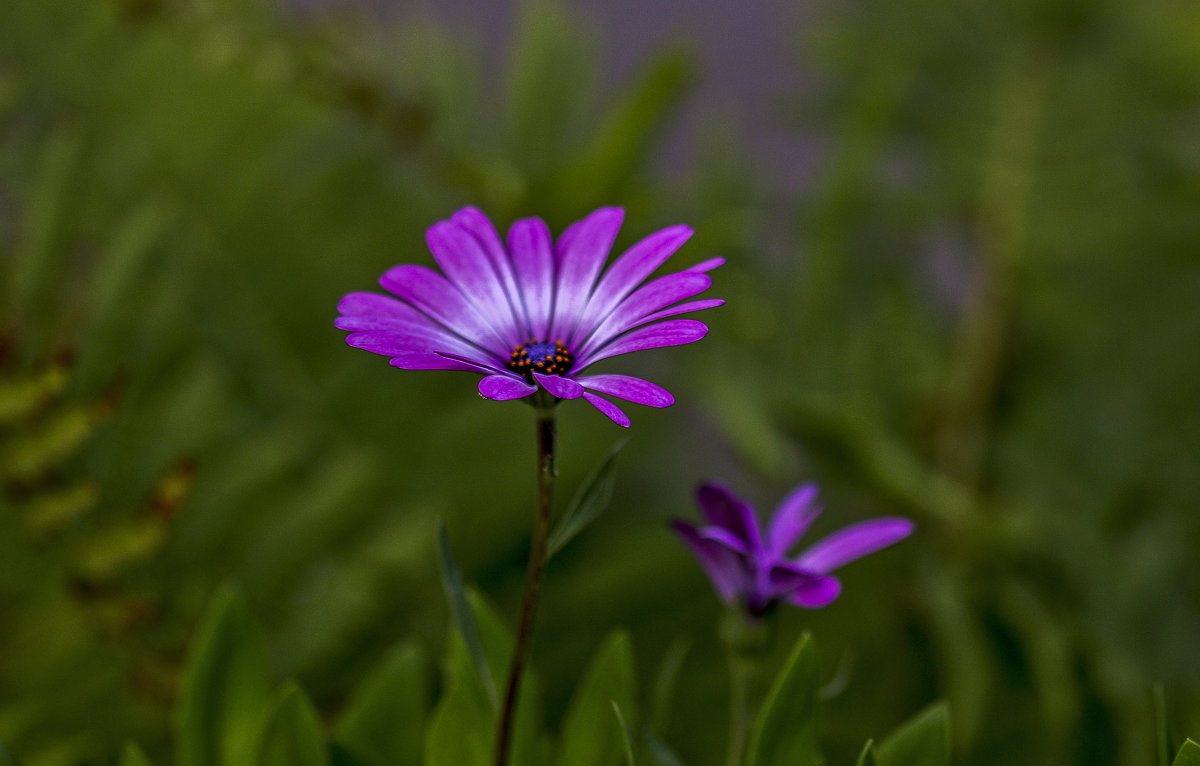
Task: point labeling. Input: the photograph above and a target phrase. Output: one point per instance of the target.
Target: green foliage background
(981, 313)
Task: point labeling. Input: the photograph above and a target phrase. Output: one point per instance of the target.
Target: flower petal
(649, 298)
(430, 361)
(683, 308)
(612, 411)
(853, 542)
(532, 253)
(792, 519)
(628, 271)
(816, 593)
(563, 388)
(373, 304)
(708, 265)
(629, 388)
(436, 296)
(580, 254)
(469, 269)
(724, 509)
(400, 343)
(505, 387)
(726, 569)
(477, 225)
(673, 332)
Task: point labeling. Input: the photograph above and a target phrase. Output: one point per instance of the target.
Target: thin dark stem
(533, 580)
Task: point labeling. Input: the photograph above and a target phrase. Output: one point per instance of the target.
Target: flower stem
(533, 579)
(740, 671)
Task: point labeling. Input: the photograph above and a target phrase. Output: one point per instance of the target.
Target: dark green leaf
(626, 134)
(226, 688)
(549, 70)
(6, 756)
(385, 721)
(132, 755)
(664, 684)
(923, 741)
(867, 756)
(589, 502)
(626, 737)
(293, 734)
(464, 618)
(591, 734)
(1189, 754)
(461, 729)
(785, 732)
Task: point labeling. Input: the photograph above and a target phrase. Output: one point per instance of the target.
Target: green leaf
(1189, 754)
(626, 738)
(293, 735)
(867, 756)
(132, 755)
(923, 741)
(226, 688)
(664, 683)
(461, 730)
(591, 735)
(6, 756)
(550, 68)
(625, 135)
(464, 619)
(385, 720)
(785, 732)
(589, 502)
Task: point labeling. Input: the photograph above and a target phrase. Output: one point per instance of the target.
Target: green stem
(533, 580)
(740, 671)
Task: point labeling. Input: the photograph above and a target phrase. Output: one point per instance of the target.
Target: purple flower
(534, 314)
(757, 572)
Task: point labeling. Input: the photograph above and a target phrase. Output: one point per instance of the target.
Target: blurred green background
(977, 308)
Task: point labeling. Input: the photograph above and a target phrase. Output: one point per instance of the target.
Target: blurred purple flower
(537, 313)
(758, 573)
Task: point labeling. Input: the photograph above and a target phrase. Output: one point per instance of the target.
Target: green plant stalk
(740, 672)
(533, 579)
(746, 641)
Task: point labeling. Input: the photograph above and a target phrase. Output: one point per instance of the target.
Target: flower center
(544, 356)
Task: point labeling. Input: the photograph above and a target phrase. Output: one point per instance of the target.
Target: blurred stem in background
(546, 425)
(746, 641)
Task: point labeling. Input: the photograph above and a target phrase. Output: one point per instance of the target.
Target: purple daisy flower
(758, 573)
(535, 315)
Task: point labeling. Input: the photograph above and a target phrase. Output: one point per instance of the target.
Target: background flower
(758, 573)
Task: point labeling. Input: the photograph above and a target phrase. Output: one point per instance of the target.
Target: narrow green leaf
(385, 720)
(923, 741)
(226, 688)
(659, 753)
(293, 735)
(785, 732)
(589, 502)
(550, 68)
(663, 691)
(132, 755)
(464, 618)
(867, 756)
(626, 738)
(626, 134)
(1189, 754)
(591, 736)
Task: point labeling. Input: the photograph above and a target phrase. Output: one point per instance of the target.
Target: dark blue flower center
(549, 357)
